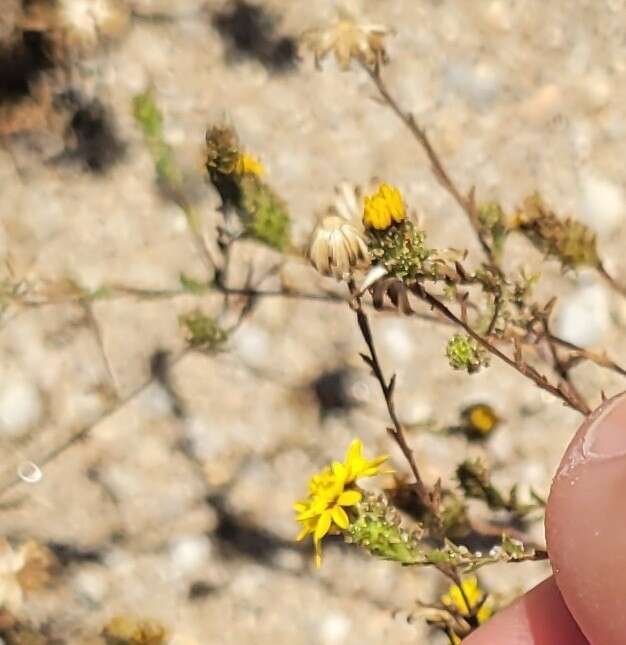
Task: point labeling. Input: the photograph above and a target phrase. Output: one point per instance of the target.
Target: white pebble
(498, 15)
(543, 105)
(189, 554)
(597, 90)
(20, 407)
(583, 316)
(252, 343)
(91, 584)
(602, 204)
(397, 341)
(334, 628)
(478, 84)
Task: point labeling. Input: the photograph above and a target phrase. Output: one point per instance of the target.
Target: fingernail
(606, 436)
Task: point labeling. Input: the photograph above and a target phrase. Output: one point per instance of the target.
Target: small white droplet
(29, 472)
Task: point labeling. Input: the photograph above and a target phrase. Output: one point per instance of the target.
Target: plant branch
(426, 497)
(611, 281)
(516, 363)
(466, 202)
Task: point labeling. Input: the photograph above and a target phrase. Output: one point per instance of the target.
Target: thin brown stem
(611, 281)
(599, 359)
(516, 363)
(560, 367)
(427, 499)
(466, 202)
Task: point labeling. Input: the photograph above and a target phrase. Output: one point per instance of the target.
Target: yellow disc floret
(384, 208)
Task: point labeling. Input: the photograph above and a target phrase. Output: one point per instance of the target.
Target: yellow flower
(469, 593)
(481, 419)
(358, 467)
(384, 208)
(247, 164)
(331, 491)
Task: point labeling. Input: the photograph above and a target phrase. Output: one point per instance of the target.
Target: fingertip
(538, 618)
(585, 528)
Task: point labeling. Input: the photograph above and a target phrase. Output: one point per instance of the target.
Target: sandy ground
(518, 96)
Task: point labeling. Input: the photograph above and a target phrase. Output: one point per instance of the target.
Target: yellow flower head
(384, 208)
(481, 419)
(469, 593)
(247, 164)
(331, 491)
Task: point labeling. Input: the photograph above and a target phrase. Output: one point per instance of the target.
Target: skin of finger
(538, 618)
(586, 525)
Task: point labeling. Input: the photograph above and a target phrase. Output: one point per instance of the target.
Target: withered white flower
(22, 569)
(81, 24)
(348, 40)
(348, 202)
(337, 248)
(11, 563)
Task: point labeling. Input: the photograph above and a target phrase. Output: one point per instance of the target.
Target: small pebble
(20, 407)
(189, 554)
(334, 628)
(583, 316)
(498, 15)
(602, 204)
(252, 343)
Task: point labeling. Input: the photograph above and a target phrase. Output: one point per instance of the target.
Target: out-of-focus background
(182, 513)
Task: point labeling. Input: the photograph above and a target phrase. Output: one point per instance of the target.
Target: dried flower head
(348, 202)
(384, 208)
(222, 149)
(473, 477)
(348, 40)
(337, 248)
(331, 491)
(23, 569)
(128, 630)
(77, 24)
(571, 242)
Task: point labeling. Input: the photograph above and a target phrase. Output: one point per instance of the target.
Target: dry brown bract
(348, 40)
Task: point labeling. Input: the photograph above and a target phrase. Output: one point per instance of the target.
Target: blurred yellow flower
(384, 208)
(247, 164)
(331, 491)
(469, 593)
(481, 419)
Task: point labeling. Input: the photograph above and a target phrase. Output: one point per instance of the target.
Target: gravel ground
(516, 95)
